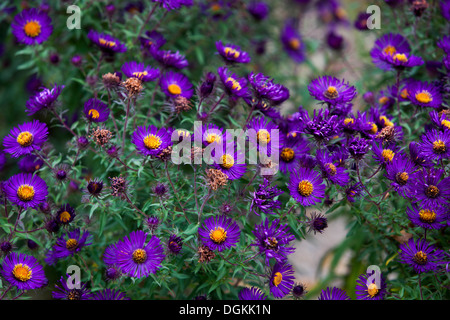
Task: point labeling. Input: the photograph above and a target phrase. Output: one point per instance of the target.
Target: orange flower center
(277, 278)
(22, 272)
(32, 29)
(305, 188)
(94, 114)
(25, 192)
(218, 235)
(139, 256)
(152, 142)
(25, 139)
(174, 89)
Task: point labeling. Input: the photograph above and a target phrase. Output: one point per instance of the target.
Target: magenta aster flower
(106, 43)
(140, 71)
(401, 61)
(421, 256)
(176, 84)
(293, 43)
(137, 258)
(388, 45)
(384, 154)
(427, 218)
(232, 163)
(306, 186)
(430, 188)
(25, 138)
(331, 90)
(425, 94)
(264, 199)
(169, 59)
(26, 190)
(399, 171)
(44, 99)
(70, 243)
(333, 293)
(232, 53)
(281, 279)
(32, 27)
(252, 293)
(234, 85)
(330, 169)
(219, 233)
(265, 89)
(96, 111)
(370, 291)
(152, 40)
(290, 152)
(436, 144)
(23, 271)
(150, 141)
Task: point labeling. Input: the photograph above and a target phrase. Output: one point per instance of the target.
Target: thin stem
(195, 187)
(125, 124)
(126, 167)
(200, 212)
(250, 114)
(5, 292)
(176, 193)
(216, 104)
(64, 124)
(146, 21)
(112, 113)
(420, 288)
(136, 208)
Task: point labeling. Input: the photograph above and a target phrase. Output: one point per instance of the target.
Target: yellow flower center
(445, 123)
(216, 7)
(331, 168)
(387, 155)
(139, 256)
(227, 161)
(439, 147)
(174, 89)
(232, 52)
(340, 13)
(331, 92)
(277, 278)
(390, 50)
(432, 192)
(106, 43)
(32, 29)
(374, 128)
(152, 142)
(294, 43)
(387, 122)
(71, 244)
(183, 133)
(263, 136)
(25, 192)
(287, 154)
(94, 114)
(383, 100)
(404, 93)
(305, 188)
(372, 290)
(64, 216)
(400, 57)
(402, 178)
(25, 139)
(424, 97)
(235, 84)
(427, 216)
(140, 75)
(348, 121)
(420, 258)
(213, 137)
(218, 235)
(22, 272)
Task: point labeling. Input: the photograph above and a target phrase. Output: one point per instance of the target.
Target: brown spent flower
(119, 187)
(444, 111)
(101, 136)
(133, 86)
(205, 254)
(419, 7)
(216, 178)
(196, 153)
(165, 154)
(182, 104)
(387, 134)
(111, 80)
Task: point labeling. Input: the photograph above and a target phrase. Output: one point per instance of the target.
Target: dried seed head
(119, 187)
(133, 86)
(419, 7)
(111, 80)
(387, 134)
(101, 136)
(205, 254)
(216, 178)
(196, 153)
(182, 104)
(165, 154)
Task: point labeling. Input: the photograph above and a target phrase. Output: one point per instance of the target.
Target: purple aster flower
(232, 53)
(229, 160)
(110, 255)
(264, 199)
(70, 243)
(290, 152)
(425, 94)
(150, 141)
(175, 244)
(323, 126)
(273, 240)
(152, 40)
(32, 27)
(176, 84)
(445, 9)
(23, 271)
(436, 144)
(138, 259)
(366, 290)
(44, 99)
(333, 293)
(234, 85)
(96, 111)
(365, 124)
(252, 293)
(384, 154)
(264, 88)
(330, 169)
(207, 86)
(399, 171)
(3, 161)
(140, 71)
(427, 218)
(258, 9)
(401, 61)
(354, 191)
(94, 188)
(361, 21)
(106, 43)
(330, 90)
(440, 120)
(293, 43)
(109, 294)
(430, 189)
(65, 214)
(29, 164)
(209, 133)
(334, 40)
(174, 4)
(261, 133)
(26, 190)
(416, 155)
(281, 280)
(78, 292)
(358, 148)
(25, 138)
(306, 186)
(444, 44)
(219, 233)
(169, 59)
(421, 256)
(317, 222)
(388, 45)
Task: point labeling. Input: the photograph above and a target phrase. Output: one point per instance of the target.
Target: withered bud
(216, 178)
(133, 86)
(196, 153)
(101, 136)
(111, 80)
(419, 7)
(205, 254)
(165, 154)
(387, 134)
(182, 104)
